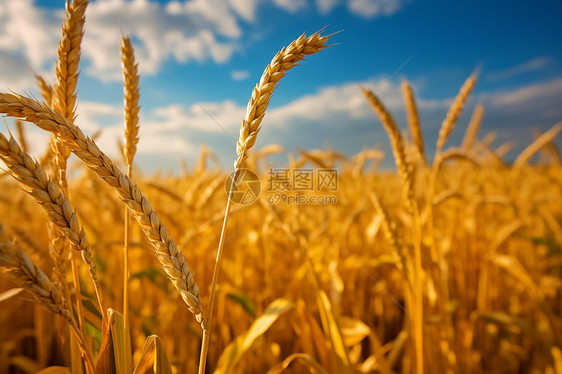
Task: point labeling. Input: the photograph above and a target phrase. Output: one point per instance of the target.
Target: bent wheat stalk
(47, 193)
(407, 175)
(283, 61)
(84, 148)
(402, 163)
(15, 264)
(535, 146)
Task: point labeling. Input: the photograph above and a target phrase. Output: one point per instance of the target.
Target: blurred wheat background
(450, 264)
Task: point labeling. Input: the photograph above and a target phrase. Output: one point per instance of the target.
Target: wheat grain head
(283, 61)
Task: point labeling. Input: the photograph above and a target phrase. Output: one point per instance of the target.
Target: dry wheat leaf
(115, 352)
(303, 358)
(333, 331)
(153, 358)
(234, 352)
(55, 370)
(353, 330)
(10, 293)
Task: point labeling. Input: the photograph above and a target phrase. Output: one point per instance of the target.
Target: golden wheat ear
(165, 249)
(16, 265)
(455, 111)
(283, 61)
(413, 119)
(51, 197)
(402, 163)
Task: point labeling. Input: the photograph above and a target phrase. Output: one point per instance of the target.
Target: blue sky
(200, 57)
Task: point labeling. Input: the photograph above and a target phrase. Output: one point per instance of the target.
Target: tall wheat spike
(131, 99)
(131, 107)
(45, 88)
(21, 134)
(473, 126)
(413, 119)
(283, 61)
(455, 111)
(402, 163)
(165, 249)
(64, 91)
(535, 146)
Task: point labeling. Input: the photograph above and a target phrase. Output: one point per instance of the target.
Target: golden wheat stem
(207, 329)
(407, 175)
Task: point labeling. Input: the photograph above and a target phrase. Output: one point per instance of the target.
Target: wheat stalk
(17, 266)
(404, 167)
(68, 52)
(131, 99)
(166, 251)
(131, 106)
(45, 88)
(64, 91)
(455, 111)
(473, 126)
(283, 61)
(535, 146)
(21, 134)
(413, 119)
(52, 199)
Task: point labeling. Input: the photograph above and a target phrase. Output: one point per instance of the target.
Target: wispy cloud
(240, 75)
(534, 64)
(290, 5)
(549, 93)
(180, 31)
(362, 8)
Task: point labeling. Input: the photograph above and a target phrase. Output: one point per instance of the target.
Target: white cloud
(372, 8)
(240, 75)
(290, 5)
(534, 64)
(326, 6)
(245, 8)
(183, 31)
(544, 92)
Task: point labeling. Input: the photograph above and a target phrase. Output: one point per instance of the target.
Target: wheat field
(450, 264)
